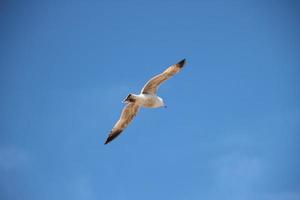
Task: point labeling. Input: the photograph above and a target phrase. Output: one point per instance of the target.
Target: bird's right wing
(126, 117)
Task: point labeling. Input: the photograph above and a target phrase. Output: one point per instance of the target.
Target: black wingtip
(181, 63)
(108, 140)
(112, 136)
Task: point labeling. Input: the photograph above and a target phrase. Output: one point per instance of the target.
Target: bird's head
(162, 103)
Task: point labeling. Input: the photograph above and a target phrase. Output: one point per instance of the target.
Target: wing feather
(128, 113)
(152, 85)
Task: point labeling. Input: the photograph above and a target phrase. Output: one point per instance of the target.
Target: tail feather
(129, 98)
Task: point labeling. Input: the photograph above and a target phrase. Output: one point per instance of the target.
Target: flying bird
(147, 98)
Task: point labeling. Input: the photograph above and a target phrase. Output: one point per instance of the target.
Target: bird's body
(147, 98)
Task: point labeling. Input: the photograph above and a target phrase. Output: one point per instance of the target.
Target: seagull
(147, 98)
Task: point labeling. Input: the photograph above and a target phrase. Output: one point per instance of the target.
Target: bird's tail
(129, 98)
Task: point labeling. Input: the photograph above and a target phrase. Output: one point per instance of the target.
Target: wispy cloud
(236, 175)
(292, 195)
(12, 157)
(79, 188)
(244, 168)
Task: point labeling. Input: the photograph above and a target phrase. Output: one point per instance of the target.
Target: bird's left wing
(126, 117)
(152, 85)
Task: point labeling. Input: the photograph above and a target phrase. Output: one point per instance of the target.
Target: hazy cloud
(12, 157)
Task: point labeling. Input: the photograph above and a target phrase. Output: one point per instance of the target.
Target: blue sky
(231, 129)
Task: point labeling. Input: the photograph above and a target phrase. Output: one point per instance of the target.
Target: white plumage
(147, 98)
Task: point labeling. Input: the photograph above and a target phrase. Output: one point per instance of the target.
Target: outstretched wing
(153, 84)
(127, 115)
